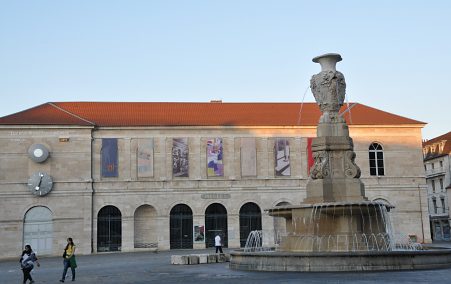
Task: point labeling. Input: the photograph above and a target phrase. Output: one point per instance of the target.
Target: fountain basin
(340, 261)
(335, 226)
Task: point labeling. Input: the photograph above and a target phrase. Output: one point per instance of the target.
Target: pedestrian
(69, 259)
(218, 243)
(27, 260)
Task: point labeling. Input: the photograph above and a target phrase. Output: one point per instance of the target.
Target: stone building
(437, 165)
(145, 176)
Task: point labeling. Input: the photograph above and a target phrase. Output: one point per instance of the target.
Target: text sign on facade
(215, 196)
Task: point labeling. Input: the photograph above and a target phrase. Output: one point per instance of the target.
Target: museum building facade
(119, 176)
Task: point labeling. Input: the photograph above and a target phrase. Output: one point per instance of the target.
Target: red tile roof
(193, 114)
(437, 146)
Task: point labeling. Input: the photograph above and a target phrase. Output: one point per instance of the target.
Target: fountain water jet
(335, 228)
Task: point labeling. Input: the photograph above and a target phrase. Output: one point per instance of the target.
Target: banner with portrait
(180, 162)
(199, 234)
(215, 165)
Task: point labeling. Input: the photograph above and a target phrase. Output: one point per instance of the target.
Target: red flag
(310, 160)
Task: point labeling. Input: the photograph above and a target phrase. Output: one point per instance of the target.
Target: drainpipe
(92, 192)
(421, 212)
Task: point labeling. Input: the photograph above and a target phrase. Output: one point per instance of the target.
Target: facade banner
(248, 157)
(145, 157)
(109, 157)
(215, 165)
(282, 157)
(180, 153)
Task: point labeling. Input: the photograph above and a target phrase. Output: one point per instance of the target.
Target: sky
(396, 54)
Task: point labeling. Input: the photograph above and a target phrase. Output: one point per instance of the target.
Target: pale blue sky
(396, 54)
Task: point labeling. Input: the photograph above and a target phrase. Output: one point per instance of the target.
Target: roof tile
(114, 114)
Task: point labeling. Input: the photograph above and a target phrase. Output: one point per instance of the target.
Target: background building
(437, 165)
(141, 176)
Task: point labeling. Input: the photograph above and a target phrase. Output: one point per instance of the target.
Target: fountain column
(334, 176)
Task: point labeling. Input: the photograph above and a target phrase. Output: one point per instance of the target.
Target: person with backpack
(69, 259)
(27, 260)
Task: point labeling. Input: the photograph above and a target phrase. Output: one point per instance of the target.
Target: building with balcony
(437, 165)
(147, 176)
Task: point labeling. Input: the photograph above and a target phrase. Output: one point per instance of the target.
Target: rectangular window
(441, 164)
(442, 200)
(441, 183)
(372, 156)
(433, 185)
(432, 165)
(434, 202)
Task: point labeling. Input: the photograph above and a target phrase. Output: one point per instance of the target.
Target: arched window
(376, 157)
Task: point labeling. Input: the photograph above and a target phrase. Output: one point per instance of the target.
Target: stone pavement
(149, 267)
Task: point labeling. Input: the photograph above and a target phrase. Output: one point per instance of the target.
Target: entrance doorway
(181, 227)
(38, 229)
(109, 229)
(215, 223)
(250, 220)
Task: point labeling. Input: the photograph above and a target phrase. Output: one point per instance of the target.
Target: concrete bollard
(221, 257)
(212, 258)
(203, 258)
(179, 259)
(193, 259)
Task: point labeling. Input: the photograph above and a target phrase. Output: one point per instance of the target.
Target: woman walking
(27, 260)
(69, 259)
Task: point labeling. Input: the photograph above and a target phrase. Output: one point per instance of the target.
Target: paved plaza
(150, 267)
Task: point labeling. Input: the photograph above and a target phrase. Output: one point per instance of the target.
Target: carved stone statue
(329, 87)
(334, 175)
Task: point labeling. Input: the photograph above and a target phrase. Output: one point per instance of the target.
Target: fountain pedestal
(331, 211)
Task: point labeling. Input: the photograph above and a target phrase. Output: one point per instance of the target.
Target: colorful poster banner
(215, 166)
(282, 157)
(145, 157)
(109, 167)
(180, 162)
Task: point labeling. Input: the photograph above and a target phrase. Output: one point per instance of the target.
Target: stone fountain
(335, 228)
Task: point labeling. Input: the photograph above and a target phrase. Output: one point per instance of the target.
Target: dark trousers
(219, 248)
(26, 274)
(66, 263)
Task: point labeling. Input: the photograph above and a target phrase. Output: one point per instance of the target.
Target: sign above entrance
(215, 196)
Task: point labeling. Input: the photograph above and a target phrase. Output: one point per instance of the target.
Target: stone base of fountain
(340, 261)
(335, 226)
